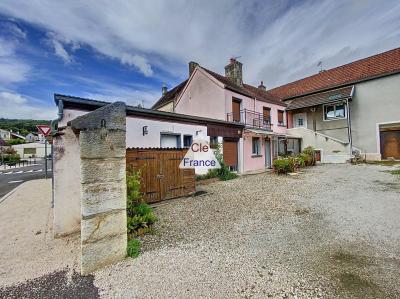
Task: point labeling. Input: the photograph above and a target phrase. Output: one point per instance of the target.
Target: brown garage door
(161, 177)
(390, 144)
(230, 153)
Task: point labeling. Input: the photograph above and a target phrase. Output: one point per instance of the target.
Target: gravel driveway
(332, 231)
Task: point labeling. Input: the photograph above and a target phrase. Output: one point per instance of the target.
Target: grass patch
(394, 172)
(384, 163)
(359, 287)
(133, 249)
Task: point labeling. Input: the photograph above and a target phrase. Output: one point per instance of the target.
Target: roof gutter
(60, 115)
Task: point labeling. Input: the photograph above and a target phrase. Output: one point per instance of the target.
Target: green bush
(284, 165)
(223, 173)
(133, 249)
(140, 216)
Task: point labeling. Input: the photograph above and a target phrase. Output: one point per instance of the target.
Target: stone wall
(67, 186)
(102, 135)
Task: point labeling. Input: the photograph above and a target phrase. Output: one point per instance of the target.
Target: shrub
(15, 141)
(133, 249)
(140, 216)
(284, 165)
(223, 173)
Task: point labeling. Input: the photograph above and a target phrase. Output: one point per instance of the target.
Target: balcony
(250, 119)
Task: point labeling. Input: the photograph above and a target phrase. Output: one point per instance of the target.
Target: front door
(300, 120)
(267, 153)
(230, 154)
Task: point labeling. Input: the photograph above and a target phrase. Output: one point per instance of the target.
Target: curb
(9, 193)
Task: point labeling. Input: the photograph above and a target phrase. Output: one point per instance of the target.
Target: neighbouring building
(31, 137)
(8, 135)
(208, 94)
(32, 150)
(351, 110)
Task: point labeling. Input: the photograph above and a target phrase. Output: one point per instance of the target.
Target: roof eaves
(341, 85)
(136, 111)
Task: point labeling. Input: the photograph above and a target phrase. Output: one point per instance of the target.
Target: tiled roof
(246, 89)
(376, 66)
(320, 98)
(379, 65)
(170, 95)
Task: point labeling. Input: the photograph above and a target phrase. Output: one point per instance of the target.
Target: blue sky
(126, 50)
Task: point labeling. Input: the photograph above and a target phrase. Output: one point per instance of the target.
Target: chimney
(164, 89)
(192, 66)
(233, 71)
(262, 86)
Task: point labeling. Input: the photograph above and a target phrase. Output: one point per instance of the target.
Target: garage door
(230, 153)
(390, 144)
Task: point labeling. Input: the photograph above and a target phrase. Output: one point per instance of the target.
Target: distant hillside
(23, 126)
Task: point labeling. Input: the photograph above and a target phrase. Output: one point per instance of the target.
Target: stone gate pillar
(102, 140)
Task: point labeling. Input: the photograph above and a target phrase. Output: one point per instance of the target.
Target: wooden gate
(390, 143)
(161, 177)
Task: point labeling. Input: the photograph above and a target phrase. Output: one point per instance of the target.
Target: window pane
(255, 146)
(187, 140)
(280, 117)
(329, 111)
(300, 122)
(340, 111)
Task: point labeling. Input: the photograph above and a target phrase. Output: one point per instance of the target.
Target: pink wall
(203, 97)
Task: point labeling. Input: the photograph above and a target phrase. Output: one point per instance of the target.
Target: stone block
(110, 117)
(103, 171)
(103, 197)
(102, 253)
(99, 143)
(103, 225)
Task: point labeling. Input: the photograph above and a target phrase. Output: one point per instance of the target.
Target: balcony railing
(250, 118)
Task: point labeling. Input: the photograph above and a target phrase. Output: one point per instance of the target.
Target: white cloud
(139, 62)
(59, 49)
(279, 41)
(12, 69)
(15, 105)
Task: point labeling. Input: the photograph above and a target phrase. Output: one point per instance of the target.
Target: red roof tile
(371, 67)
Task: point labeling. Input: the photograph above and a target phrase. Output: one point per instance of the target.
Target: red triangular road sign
(44, 129)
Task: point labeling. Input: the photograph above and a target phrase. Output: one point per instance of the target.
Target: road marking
(14, 182)
(8, 172)
(39, 170)
(29, 171)
(17, 172)
(49, 169)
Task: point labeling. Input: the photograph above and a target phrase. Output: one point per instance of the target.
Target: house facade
(208, 94)
(351, 110)
(348, 111)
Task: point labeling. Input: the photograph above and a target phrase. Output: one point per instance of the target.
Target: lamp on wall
(145, 131)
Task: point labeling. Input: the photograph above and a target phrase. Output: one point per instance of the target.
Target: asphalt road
(12, 178)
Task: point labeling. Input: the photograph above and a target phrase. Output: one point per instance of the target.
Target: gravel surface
(32, 263)
(332, 231)
(329, 232)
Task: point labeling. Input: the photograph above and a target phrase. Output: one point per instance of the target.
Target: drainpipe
(60, 115)
(349, 127)
(54, 122)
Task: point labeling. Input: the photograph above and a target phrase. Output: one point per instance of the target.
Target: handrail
(250, 118)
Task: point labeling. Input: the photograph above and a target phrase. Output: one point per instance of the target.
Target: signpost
(45, 130)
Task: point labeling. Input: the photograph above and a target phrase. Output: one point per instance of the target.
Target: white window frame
(257, 149)
(334, 105)
(303, 116)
